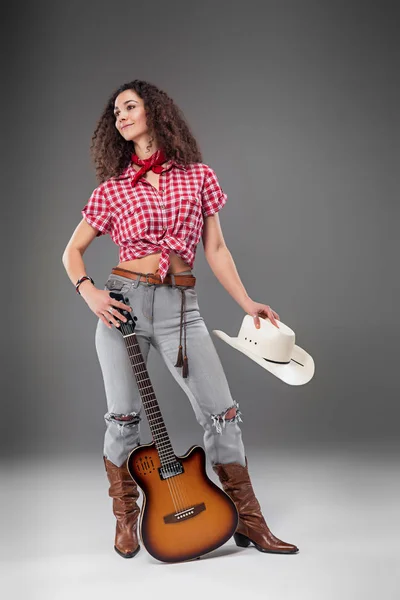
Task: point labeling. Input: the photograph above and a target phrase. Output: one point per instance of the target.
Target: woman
(157, 199)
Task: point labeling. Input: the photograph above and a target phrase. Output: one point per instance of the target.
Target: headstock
(129, 326)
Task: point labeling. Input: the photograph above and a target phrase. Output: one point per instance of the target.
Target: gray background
(294, 106)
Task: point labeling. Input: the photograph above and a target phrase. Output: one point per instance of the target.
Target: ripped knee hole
(230, 415)
(123, 420)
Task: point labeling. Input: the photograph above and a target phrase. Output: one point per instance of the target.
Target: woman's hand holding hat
(257, 310)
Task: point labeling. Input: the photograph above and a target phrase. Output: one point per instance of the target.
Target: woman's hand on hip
(105, 307)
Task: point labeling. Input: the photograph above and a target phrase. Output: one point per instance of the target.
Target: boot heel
(241, 540)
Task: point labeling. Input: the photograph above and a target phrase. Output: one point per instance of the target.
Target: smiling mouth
(125, 126)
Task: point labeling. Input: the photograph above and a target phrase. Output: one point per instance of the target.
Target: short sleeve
(97, 212)
(213, 197)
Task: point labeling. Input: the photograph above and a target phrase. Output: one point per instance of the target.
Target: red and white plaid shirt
(142, 220)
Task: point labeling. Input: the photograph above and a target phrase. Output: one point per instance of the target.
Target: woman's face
(130, 116)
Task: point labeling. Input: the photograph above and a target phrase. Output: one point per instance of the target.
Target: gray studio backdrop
(294, 105)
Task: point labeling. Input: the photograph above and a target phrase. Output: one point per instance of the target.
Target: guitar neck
(149, 401)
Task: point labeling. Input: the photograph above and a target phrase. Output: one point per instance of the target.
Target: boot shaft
(123, 489)
(124, 492)
(235, 481)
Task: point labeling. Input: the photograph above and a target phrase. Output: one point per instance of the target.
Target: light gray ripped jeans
(157, 308)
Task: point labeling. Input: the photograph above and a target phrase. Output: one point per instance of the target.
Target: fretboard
(149, 400)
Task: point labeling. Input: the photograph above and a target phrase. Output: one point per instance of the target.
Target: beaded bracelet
(78, 283)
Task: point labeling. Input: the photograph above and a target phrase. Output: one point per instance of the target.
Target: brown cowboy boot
(124, 492)
(252, 527)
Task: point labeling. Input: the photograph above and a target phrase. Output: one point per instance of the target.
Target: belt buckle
(147, 275)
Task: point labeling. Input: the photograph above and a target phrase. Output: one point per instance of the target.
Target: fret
(164, 446)
(149, 386)
(154, 419)
(149, 394)
(159, 431)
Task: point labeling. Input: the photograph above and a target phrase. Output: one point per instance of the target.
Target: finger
(118, 315)
(273, 321)
(115, 313)
(117, 304)
(105, 321)
(123, 306)
(111, 319)
(256, 319)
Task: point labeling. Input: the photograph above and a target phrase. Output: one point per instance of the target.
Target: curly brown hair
(111, 153)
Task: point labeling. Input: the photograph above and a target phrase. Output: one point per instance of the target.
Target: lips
(127, 125)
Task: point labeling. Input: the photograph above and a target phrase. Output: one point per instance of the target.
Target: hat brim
(298, 372)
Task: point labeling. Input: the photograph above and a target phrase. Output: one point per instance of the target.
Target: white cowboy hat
(272, 348)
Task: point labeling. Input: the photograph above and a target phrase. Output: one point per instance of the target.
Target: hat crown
(268, 341)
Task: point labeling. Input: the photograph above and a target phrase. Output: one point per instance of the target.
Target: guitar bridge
(184, 515)
(170, 470)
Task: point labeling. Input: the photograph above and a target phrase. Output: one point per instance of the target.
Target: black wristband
(78, 283)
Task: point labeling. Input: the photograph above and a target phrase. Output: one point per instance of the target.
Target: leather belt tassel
(182, 359)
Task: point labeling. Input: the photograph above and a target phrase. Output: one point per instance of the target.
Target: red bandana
(154, 163)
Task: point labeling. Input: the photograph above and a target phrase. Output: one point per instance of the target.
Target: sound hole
(145, 465)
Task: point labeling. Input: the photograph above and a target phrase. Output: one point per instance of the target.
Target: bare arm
(221, 262)
(223, 266)
(99, 301)
(72, 259)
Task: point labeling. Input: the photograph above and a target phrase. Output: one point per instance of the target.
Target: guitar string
(152, 406)
(161, 452)
(176, 485)
(177, 493)
(175, 482)
(136, 360)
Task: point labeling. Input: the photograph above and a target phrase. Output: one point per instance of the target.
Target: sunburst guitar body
(184, 514)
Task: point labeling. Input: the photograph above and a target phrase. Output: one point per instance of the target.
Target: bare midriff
(150, 263)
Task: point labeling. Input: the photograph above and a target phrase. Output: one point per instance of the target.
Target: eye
(128, 107)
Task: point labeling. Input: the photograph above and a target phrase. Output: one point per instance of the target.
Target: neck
(142, 150)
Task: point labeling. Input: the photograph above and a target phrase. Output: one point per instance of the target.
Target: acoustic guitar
(184, 514)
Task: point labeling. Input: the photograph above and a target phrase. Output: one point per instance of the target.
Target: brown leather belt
(185, 280)
(178, 280)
